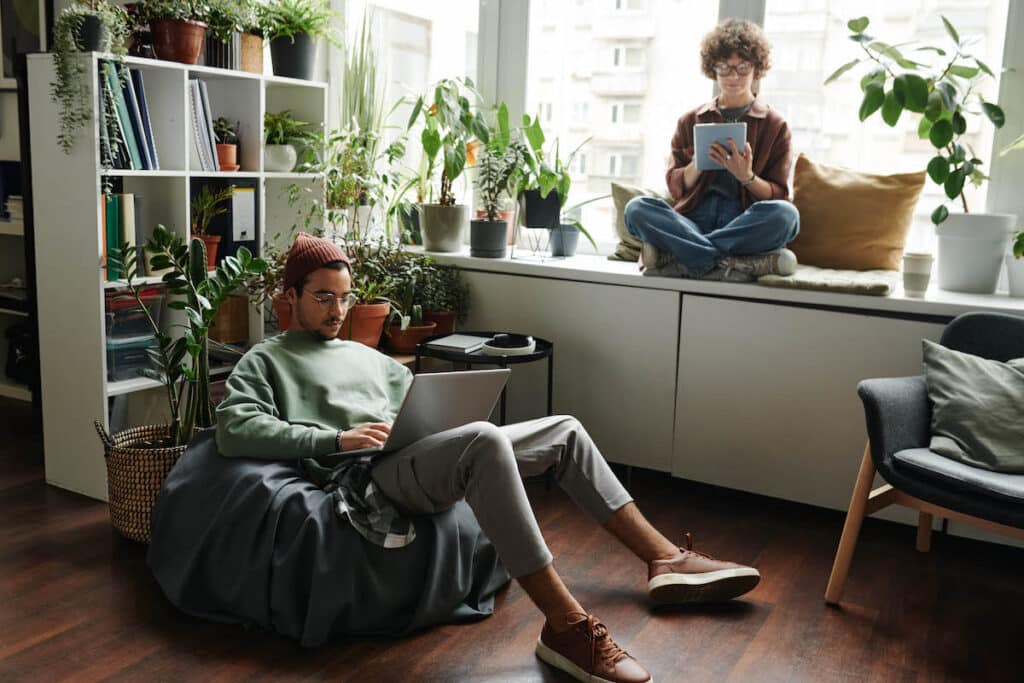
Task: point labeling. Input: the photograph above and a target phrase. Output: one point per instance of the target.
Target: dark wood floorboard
(78, 604)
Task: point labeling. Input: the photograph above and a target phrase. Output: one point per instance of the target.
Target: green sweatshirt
(289, 395)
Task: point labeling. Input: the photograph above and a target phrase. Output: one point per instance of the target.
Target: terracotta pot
(365, 323)
(445, 320)
(175, 40)
(211, 242)
(405, 341)
(252, 53)
(227, 156)
(283, 311)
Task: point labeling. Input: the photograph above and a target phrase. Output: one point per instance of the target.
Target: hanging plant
(70, 89)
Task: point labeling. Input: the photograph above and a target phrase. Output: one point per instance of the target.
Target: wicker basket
(135, 475)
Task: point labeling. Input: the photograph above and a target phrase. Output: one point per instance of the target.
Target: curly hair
(743, 37)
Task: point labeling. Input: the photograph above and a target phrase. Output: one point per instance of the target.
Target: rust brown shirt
(769, 138)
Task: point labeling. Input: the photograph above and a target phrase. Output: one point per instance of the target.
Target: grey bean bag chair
(253, 542)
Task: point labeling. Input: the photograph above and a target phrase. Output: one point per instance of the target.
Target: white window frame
(503, 54)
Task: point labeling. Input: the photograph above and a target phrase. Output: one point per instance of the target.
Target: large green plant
(363, 89)
(207, 205)
(70, 88)
(227, 17)
(289, 18)
(500, 163)
(444, 289)
(945, 93)
(450, 121)
(184, 358)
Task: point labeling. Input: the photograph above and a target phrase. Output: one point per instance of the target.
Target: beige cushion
(628, 248)
(868, 282)
(851, 220)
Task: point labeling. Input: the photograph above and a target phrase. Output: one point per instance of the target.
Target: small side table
(544, 349)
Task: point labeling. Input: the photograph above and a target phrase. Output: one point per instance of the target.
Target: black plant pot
(541, 212)
(487, 239)
(91, 34)
(294, 60)
(218, 53)
(564, 240)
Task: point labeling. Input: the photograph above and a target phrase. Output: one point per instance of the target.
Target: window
(810, 41)
(613, 81)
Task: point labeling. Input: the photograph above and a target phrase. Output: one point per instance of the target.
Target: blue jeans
(717, 228)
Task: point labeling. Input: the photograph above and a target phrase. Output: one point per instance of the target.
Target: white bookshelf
(69, 233)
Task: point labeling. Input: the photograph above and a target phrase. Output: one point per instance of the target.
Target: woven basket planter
(135, 474)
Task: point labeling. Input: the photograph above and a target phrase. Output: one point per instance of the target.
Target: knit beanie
(306, 255)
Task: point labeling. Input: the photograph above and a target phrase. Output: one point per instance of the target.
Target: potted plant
(971, 245)
(293, 27)
(564, 239)
(544, 185)
(407, 326)
(207, 205)
(280, 134)
(226, 133)
(444, 296)
(374, 287)
(178, 28)
(500, 163)
(85, 26)
(266, 286)
(449, 128)
(251, 40)
(133, 456)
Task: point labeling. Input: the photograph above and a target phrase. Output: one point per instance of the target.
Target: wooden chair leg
(851, 529)
(924, 532)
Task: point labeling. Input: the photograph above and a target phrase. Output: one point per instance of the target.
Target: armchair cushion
(977, 408)
(961, 477)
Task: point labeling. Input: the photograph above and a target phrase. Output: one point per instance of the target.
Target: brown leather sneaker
(695, 577)
(587, 652)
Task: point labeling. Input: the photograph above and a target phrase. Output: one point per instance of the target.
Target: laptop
(437, 401)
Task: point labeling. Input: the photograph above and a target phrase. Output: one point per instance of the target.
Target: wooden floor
(77, 603)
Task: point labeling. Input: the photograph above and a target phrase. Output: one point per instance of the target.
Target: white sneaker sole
(724, 584)
(549, 656)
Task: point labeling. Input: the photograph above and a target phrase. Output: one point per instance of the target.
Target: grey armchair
(898, 417)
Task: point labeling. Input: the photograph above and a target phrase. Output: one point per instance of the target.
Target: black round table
(544, 349)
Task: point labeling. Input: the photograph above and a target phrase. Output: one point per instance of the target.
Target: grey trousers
(485, 464)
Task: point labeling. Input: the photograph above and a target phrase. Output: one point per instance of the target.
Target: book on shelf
(113, 227)
(140, 95)
(460, 343)
(135, 117)
(126, 219)
(116, 152)
(121, 110)
(200, 131)
(211, 136)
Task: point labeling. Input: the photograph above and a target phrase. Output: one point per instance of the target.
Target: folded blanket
(872, 282)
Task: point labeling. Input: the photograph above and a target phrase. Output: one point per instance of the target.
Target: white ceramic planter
(971, 250)
(279, 158)
(443, 227)
(1015, 274)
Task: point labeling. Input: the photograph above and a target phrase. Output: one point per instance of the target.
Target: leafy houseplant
(501, 162)
(178, 28)
(444, 297)
(207, 205)
(971, 248)
(226, 133)
(292, 27)
(450, 125)
(86, 26)
(280, 133)
(184, 359)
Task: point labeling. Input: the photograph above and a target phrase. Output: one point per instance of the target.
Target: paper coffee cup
(917, 270)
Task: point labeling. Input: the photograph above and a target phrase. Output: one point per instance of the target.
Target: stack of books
(126, 136)
(121, 221)
(204, 142)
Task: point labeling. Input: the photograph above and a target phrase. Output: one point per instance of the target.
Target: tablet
(704, 134)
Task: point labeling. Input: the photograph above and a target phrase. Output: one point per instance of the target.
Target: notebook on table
(465, 343)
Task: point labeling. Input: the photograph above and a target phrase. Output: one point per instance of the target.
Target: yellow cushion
(851, 220)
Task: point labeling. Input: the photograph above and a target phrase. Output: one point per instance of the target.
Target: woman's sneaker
(778, 262)
(587, 652)
(695, 577)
